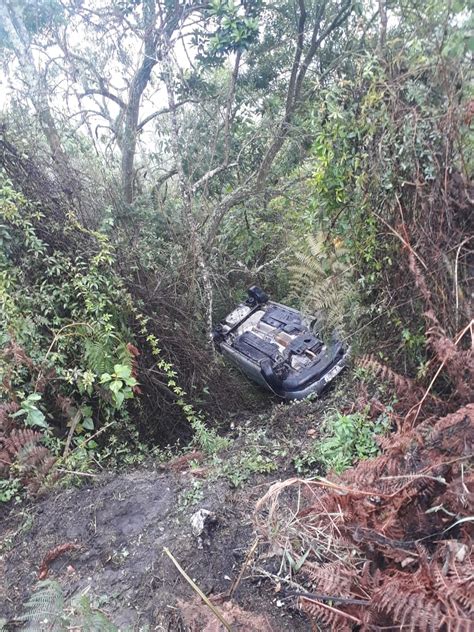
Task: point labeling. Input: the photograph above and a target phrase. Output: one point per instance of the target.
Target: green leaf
(115, 386)
(87, 423)
(105, 377)
(123, 371)
(119, 397)
(19, 413)
(36, 418)
(128, 393)
(299, 563)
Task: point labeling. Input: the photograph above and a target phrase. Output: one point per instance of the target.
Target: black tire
(257, 295)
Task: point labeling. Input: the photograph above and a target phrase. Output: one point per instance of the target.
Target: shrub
(345, 440)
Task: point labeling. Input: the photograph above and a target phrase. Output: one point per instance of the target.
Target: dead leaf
(199, 618)
(52, 555)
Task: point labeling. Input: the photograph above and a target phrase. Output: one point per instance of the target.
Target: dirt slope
(121, 525)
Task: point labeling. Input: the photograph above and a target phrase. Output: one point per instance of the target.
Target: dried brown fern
(333, 578)
(457, 362)
(453, 434)
(18, 356)
(22, 456)
(383, 510)
(12, 444)
(6, 422)
(404, 387)
(327, 615)
(428, 599)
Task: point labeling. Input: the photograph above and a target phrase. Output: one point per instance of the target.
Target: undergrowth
(69, 364)
(48, 610)
(387, 542)
(344, 440)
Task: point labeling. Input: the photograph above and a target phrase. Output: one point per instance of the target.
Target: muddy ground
(122, 523)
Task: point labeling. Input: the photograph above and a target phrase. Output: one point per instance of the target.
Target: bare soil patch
(121, 525)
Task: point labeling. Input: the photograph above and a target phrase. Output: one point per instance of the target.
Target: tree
(311, 28)
(18, 36)
(230, 99)
(156, 29)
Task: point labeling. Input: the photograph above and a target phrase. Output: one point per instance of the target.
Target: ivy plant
(29, 410)
(120, 383)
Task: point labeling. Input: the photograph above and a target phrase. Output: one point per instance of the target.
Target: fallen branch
(196, 588)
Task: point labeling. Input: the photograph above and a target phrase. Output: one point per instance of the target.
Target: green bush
(65, 363)
(345, 439)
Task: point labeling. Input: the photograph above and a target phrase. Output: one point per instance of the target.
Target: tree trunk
(130, 127)
(137, 87)
(383, 24)
(18, 36)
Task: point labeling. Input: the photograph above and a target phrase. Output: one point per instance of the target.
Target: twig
(55, 338)
(196, 588)
(456, 267)
(404, 241)
(301, 593)
(412, 477)
(334, 610)
(334, 598)
(248, 557)
(277, 579)
(100, 431)
(76, 473)
(420, 403)
(74, 422)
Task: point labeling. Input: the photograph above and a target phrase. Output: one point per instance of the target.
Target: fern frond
(329, 616)
(6, 410)
(34, 463)
(404, 386)
(44, 609)
(333, 578)
(319, 281)
(20, 440)
(124, 355)
(103, 351)
(98, 355)
(87, 618)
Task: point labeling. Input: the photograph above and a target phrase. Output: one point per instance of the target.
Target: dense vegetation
(157, 157)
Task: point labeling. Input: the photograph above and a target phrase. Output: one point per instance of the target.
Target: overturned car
(276, 347)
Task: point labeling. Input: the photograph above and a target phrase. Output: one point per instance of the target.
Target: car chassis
(275, 346)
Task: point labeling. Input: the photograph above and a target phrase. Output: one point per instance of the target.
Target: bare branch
(383, 24)
(242, 267)
(298, 53)
(316, 39)
(163, 178)
(230, 100)
(167, 110)
(210, 174)
(104, 93)
(232, 199)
